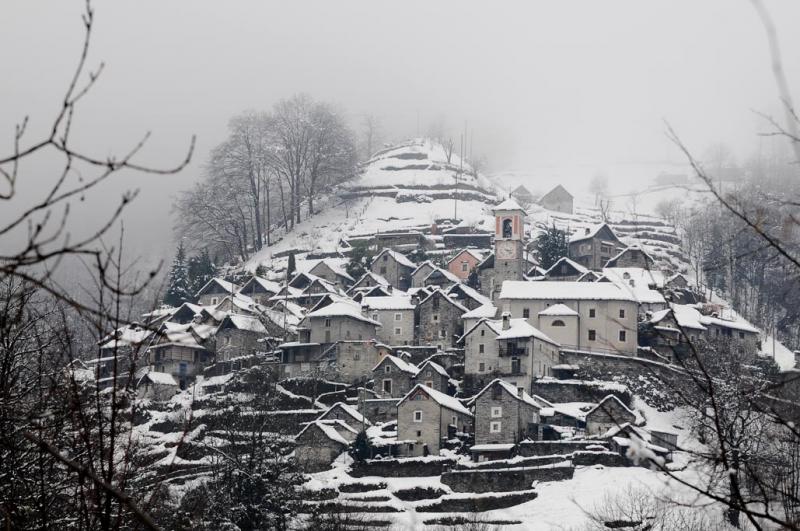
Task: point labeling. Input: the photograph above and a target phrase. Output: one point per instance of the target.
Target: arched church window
(558, 322)
(507, 228)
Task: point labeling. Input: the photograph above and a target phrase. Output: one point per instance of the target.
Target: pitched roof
(590, 233)
(446, 401)
(638, 281)
(161, 378)
(564, 260)
(401, 364)
(222, 285)
(513, 391)
(342, 308)
(247, 323)
(394, 302)
(488, 311)
(446, 297)
(508, 204)
(518, 328)
(327, 428)
(559, 290)
(472, 293)
(472, 252)
(426, 263)
(335, 265)
(610, 398)
(433, 365)
(559, 310)
(350, 410)
(558, 189)
(379, 280)
(399, 257)
(445, 273)
(268, 286)
(628, 249)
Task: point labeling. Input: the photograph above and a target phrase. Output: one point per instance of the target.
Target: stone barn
(609, 413)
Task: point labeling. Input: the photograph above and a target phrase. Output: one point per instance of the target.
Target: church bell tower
(509, 231)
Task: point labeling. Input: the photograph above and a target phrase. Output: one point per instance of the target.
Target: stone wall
(514, 462)
(477, 504)
(504, 480)
(579, 390)
(598, 458)
(380, 409)
(402, 468)
(538, 448)
(439, 326)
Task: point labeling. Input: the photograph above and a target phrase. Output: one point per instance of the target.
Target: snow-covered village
(375, 307)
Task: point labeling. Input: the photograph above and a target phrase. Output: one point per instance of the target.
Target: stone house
(439, 320)
(522, 195)
(504, 414)
(609, 413)
(394, 267)
(633, 256)
(321, 442)
(396, 316)
(511, 349)
(738, 333)
(179, 351)
(433, 375)
(565, 269)
(462, 264)
(677, 281)
(125, 348)
(469, 297)
(393, 377)
(260, 289)
(440, 278)
(352, 361)
(214, 291)
(239, 335)
(347, 414)
(420, 272)
(607, 314)
(341, 320)
(594, 247)
(558, 200)
(185, 313)
(426, 418)
(158, 386)
(333, 271)
(369, 280)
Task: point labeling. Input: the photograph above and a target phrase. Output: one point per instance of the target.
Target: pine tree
(551, 245)
(360, 260)
(200, 270)
(362, 447)
(178, 290)
(291, 266)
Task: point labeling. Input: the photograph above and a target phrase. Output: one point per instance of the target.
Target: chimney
(588, 230)
(521, 391)
(506, 320)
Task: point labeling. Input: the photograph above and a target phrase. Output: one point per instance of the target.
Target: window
(442, 333)
(497, 411)
(436, 317)
(387, 386)
(592, 313)
(397, 317)
(435, 303)
(592, 335)
(454, 421)
(429, 383)
(387, 369)
(507, 230)
(622, 313)
(481, 367)
(418, 416)
(464, 267)
(622, 336)
(383, 269)
(385, 257)
(741, 335)
(558, 322)
(495, 427)
(398, 331)
(327, 336)
(419, 433)
(483, 333)
(374, 316)
(356, 356)
(480, 348)
(526, 312)
(214, 300)
(327, 323)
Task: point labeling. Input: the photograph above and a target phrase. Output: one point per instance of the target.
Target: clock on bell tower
(509, 262)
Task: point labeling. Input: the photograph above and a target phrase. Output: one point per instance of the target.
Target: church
(507, 262)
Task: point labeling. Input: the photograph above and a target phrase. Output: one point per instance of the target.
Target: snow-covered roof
(379, 280)
(610, 398)
(426, 263)
(627, 250)
(492, 447)
(220, 284)
(126, 336)
(517, 329)
(508, 204)
(446, 401)
(399, 257)
(161, 378)
(487, 311)
(328, 429)
(591, 233)
(638, 281)
(560, 310)
(472, 293)
(445, 273)
(269, 286)
(401, 364)
(350, 410)
(446, 297)
(564, 260)
(472, 252)
(549, 289)
(337, 265)
(394, 302)
(686, 316)
(433, 365)
(342, 308)
(511, 390)
(245, 322)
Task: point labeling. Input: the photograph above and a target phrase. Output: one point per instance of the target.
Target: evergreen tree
(178, 290)
(473, 280)
(200, 270)
(260, 271)
(418, 255)
(291, 266)
(360, 260)
(551, 246)
(362, 447)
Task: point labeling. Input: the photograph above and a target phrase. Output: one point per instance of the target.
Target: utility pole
(458, 176)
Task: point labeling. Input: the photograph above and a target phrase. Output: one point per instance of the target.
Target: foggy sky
(539, 83)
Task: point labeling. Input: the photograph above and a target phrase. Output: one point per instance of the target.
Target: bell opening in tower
(507, 228)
